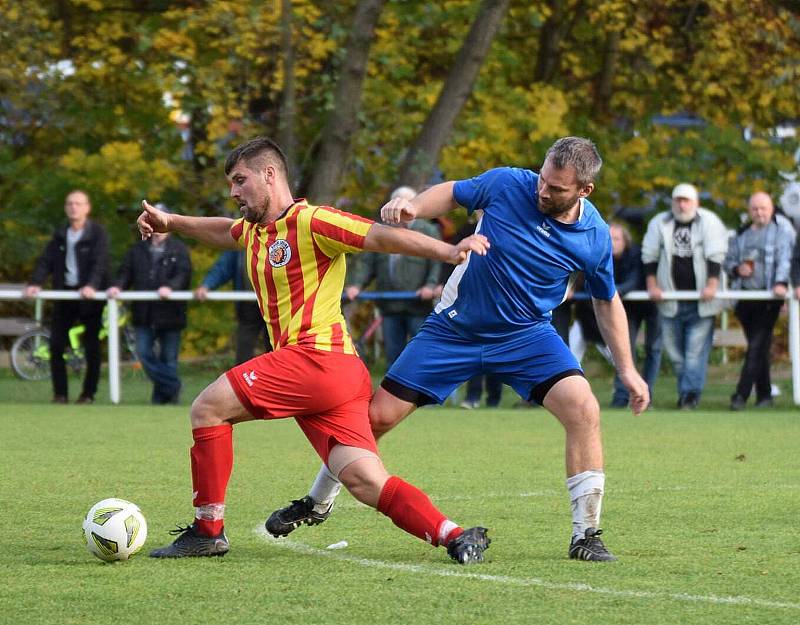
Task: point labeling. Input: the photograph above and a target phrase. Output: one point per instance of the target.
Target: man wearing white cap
(683, 250)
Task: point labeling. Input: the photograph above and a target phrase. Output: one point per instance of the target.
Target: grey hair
(579, 153)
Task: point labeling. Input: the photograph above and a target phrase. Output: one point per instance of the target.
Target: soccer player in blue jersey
(494, 317)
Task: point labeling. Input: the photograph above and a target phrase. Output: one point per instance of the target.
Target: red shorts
(327, 393)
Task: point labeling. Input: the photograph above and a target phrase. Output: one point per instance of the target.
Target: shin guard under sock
(412, 510)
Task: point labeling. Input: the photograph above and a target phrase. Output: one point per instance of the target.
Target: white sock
(324, 489)
(586, 496)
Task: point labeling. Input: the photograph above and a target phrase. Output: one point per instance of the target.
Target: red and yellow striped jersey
(297, 267)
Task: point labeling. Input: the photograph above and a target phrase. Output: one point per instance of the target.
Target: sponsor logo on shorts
(249, 377)
(280, 253)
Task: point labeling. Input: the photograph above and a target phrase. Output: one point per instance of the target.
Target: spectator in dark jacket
(759, 259)
(76, 258)
(161, 263)
(629, 276)
(250, 327)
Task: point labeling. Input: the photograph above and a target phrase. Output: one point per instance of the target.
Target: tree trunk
(556, 28)
(287, 137)
(549, 40)
(421, 159)
(343, 120)
(605, 80)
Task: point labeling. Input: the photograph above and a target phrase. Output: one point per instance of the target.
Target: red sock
(411, 510)
(212, 463)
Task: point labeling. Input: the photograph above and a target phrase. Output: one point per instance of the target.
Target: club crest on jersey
(279, 253)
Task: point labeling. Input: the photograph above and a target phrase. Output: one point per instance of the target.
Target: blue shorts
(437, 361)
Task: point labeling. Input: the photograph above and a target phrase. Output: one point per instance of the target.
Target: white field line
(284, 543)
(558, 493)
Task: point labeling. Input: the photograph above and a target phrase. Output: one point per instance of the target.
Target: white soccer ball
(114, 529)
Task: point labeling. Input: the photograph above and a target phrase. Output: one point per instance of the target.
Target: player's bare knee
(355, 483)
(586, 411)
(581, 413)
(205, 412)
(381, 421)
(364, 487)
(364, 479)
(200, 412)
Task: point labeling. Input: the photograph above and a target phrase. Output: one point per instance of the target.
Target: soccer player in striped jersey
(295, 260)
(494, 318)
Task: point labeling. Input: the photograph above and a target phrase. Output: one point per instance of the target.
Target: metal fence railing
(113, 317)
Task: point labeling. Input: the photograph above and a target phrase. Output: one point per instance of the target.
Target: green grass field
(701, 507)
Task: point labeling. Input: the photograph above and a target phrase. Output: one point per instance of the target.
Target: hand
(637, 387)
(113, 291)
(397, 211)
(32, 290)
(152, 220)
(797, 292)
(164, 292)
(655, 293)
(351, 292)
(425, 292)
(87, 292)
(475, 243)
(779, 290)
(708, 293)
(437, 291)
(745, 269)
(201, 292)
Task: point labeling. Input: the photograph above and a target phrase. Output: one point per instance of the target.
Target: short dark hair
(256, 153)
(579, 153)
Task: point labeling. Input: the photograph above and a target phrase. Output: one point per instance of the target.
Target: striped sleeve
(337, 232)
(237, 232)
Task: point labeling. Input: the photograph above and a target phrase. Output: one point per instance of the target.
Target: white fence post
(794, 347)
(113, 350)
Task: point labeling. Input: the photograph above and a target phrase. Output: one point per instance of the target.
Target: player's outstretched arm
(431, 203)
(213, 231)
(613, 324)
(391, 240)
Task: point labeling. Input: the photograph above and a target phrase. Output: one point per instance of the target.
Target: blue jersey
(527, 270)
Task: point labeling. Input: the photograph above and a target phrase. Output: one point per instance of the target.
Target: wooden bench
(16, 326)
(732, 337)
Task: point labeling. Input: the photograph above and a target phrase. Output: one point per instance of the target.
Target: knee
(584, 414)
(364, 486)
(381, 421)
(202, 413)
(355, 483)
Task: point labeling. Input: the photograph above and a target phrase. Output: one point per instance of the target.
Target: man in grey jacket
(759, 259)
(683, 250)
(395, 272)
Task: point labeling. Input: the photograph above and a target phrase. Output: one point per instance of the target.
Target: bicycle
(30, 353)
